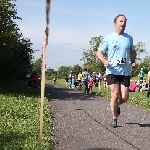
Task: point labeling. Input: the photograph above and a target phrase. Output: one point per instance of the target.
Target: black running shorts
(112, 79)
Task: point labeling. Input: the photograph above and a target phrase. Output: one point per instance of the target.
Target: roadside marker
(45, 43)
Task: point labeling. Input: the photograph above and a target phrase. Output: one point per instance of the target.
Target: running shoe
(114, 123)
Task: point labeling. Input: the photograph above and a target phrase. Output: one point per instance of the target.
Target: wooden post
(42, 92)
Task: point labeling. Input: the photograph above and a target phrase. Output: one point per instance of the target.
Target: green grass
(136, 98)
(137, 77)
(19, 118)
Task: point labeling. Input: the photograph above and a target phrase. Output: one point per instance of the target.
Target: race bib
(121, 60)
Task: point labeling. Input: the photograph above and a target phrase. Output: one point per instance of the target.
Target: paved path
(81, 122)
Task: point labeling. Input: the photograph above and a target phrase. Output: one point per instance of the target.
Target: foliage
(37, 66)
(50, 71)
(15, 50)
(90, 60)
(145, 64)
(135, 72)
(76, 69)
(140, 48)
(19, 109)
(52, 76)
(64, 70)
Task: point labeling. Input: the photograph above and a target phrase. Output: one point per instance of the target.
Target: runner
(119, 46)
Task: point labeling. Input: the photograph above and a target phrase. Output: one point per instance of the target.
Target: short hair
(119, 16)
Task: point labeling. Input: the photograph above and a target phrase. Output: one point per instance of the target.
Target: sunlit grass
(19, 118)
(137, 77)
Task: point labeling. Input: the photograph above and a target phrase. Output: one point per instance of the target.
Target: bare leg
(114, 99)
(123, 94)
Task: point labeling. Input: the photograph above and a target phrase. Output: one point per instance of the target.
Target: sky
(74, 22)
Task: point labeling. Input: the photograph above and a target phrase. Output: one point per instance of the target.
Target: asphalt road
(81, 122)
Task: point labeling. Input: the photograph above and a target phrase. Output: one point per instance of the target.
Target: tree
(37, 66)
(76, 69)
(140, 48)
(91, 62)
(145, 64)
(16, 52)
(64, 70)
(50, 74)
(50, 71)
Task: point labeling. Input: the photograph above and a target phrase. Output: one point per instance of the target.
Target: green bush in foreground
(19, 118)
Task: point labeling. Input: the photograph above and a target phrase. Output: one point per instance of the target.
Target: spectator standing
(35, 80)
(100, 78)
(94, 78)
(85, 80)
(79, 77)
(141, 74)
(97, 80)
(104, 79)
(91, 84)
(67, 80)
(73, 81)
(70, 78)
(148, 89)
(29, 76)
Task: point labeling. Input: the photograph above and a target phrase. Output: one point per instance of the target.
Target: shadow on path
(102, 149)
(61, 93)
(59, 98)
(140, 125)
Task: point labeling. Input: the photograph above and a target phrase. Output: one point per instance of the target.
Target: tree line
(15, 49)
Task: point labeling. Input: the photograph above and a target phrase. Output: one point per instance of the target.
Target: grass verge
(19, 118)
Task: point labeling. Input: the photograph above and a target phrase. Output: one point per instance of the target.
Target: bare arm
(100, 56)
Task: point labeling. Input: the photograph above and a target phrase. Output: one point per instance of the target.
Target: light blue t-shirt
(118, 47)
